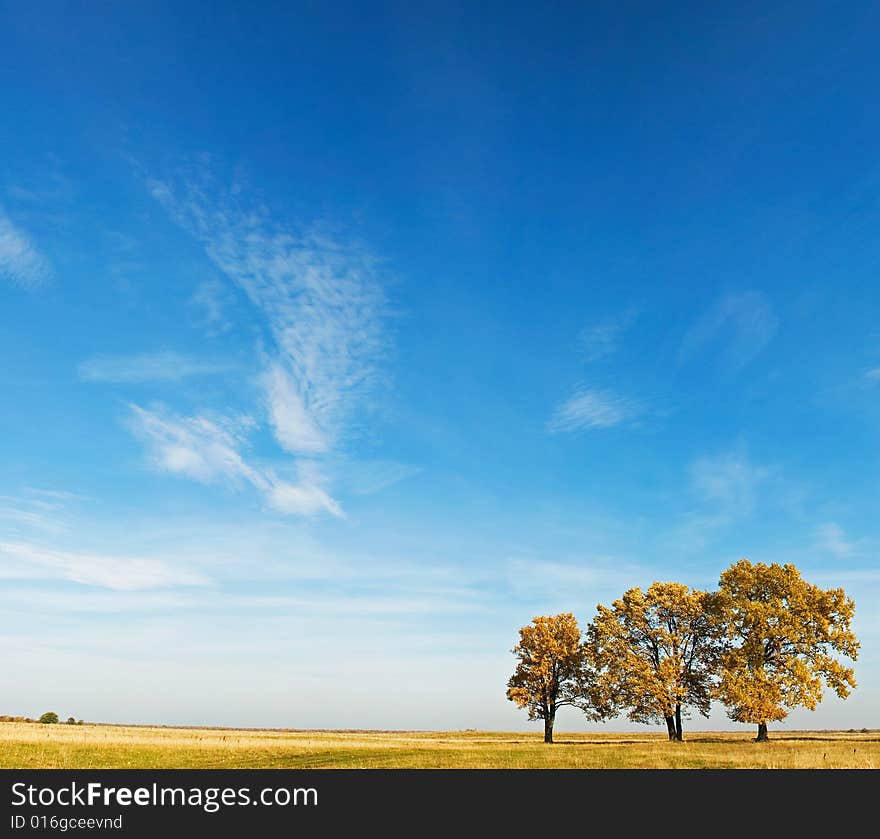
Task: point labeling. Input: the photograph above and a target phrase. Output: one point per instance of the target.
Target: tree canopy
(656, 653)
(549, 670)
(781, 634)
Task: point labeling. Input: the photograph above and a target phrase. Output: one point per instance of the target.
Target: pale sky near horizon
(340, 340)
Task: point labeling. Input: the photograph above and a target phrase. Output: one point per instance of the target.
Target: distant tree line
(49, 718)
(761, 644)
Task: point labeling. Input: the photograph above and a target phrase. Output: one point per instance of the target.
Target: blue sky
(339, 342)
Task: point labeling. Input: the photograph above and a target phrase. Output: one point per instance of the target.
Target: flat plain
(99, 746)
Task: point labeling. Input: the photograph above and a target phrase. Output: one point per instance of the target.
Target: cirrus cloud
(209, 450)
(589, 408)
(20, 261)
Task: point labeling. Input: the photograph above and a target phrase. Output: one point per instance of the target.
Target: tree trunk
(762, 733)
(548, 727)
(678, 735)
(670, 727)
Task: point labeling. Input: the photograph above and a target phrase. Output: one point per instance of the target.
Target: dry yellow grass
(34, 746)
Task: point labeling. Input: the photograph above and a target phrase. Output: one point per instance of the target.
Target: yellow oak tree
(656, 653)
(549, 672)
(781, 633)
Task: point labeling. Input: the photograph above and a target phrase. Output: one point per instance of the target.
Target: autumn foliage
(781, 632)
(762, 644)
(657, 653)
(546, 678)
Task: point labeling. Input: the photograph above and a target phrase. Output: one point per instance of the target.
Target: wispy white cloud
(213, 298)
(602, 339)
(48, 186)
(873, 375)
(372, 476)
(588, 574)
(301, 499)
(24, 560)
(694, 530)
(16, 512)
(728, 482)
(294, 425)
(123, 257)
(831, 538)
(20, 261)
(374, 604)
(197, 447)
(590, 408)
(147, 367)
(209, 450)
(37, 509)
(30, 597)
(725, 489)
(745, 322)
(322, 302)
(324, 310)
(22, 193)
(57, 495)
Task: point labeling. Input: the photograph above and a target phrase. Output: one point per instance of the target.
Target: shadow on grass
(745, 740)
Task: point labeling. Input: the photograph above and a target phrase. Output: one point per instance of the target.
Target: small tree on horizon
(549, 673)
(49, 718)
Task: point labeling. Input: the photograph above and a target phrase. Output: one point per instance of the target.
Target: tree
(550, 672)
(656, 653)
(781, 633)
(49, 718)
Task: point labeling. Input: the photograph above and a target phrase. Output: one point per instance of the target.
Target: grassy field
(34, 746)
